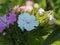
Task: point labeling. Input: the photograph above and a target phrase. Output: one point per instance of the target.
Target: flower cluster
(6, 20)
(31, 16)
(27, 8)
(41, 14)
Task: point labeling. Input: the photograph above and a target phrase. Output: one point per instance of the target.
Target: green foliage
(54, 36)
(42, 3)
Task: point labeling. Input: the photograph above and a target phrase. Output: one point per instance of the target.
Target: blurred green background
(37, 38)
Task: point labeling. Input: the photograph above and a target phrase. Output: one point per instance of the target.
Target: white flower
(41, 11)
(4, 33)
(28, 8)
(36, 5)
(50, 17)
(52, 21)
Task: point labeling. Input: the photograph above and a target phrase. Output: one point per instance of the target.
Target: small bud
(50, 17)
(52, 21)
(4, 33)
(28, 8)
(16, 7)
(36, 5)
(41, 11)
(29, 3)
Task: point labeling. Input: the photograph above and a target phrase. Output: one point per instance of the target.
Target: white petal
(52, 21)
(29, 8)
(36, 5)
(41, 11)
(4, 33)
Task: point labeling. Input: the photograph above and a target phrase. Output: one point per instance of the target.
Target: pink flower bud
(28, 8)
(29, 3)
(16, 7)
(22, 8)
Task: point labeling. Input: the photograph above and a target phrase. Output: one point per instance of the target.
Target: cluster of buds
(27, 8)
(51, 18)
(35, 8)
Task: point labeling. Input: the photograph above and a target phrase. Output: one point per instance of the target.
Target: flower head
(4, 33)
(6, 20)
(51, 18)
(28, 8)
(36, 5)
(27, 21)
(29, 3)
(22, 8)
(17, 7)
(52, 21)
(12, 17)
(4, 23)
(41, 11)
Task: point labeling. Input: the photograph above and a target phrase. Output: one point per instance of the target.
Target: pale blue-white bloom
(27, 21)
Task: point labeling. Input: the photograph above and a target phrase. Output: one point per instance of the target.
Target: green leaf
(54, 36)
(58, 22)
